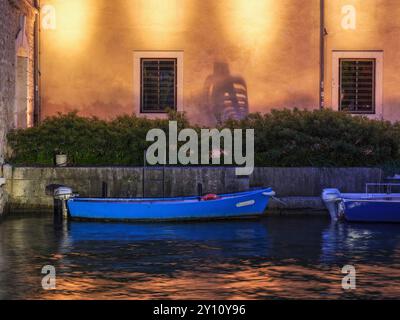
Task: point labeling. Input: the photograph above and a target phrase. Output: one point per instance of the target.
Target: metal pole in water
(200, 189)
(143, 172)
(104, 190)
(64, 209)
(163, 175)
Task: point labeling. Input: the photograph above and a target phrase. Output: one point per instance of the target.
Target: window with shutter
(158, 85)
(357, 85)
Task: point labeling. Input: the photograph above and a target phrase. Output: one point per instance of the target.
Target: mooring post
(144, 173)
(64, 209)
(200, 189)
(104, 190)
(57, 207)
(60, 209)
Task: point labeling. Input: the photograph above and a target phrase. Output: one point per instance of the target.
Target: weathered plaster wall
(87, 61)
(377, 28)
(273, 45)
(300, 187)
(10, 11)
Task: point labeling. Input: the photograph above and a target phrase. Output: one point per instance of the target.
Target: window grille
(158, 85)
(357, 85)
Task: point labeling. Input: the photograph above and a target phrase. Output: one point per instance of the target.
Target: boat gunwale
(227, 196)
(383, 200)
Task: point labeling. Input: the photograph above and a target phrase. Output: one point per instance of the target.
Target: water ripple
(275, 258)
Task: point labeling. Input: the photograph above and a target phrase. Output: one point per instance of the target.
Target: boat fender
(210, 196)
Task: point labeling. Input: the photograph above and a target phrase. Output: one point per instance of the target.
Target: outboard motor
(61, 194)
(332, 199)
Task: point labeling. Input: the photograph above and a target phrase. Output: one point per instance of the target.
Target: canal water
(277, 257)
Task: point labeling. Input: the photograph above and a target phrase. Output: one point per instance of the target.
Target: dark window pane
(158, 85)
(357, 85)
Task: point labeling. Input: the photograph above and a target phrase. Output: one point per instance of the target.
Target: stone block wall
(300, 188)
(11, 12)
(26, 185)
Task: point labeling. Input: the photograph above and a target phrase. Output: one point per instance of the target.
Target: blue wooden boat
(384, 209)
(236, 205)
(362, 207)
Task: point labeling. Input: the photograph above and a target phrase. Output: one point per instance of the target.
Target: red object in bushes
(210, 196)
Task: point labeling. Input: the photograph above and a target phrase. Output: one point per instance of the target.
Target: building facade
(219, 59)
(214, 60)
(17, 60)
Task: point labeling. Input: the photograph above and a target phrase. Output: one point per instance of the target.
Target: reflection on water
(277, 257)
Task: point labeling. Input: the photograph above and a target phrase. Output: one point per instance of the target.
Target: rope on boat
(280, 201)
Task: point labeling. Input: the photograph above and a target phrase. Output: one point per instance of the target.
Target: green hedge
(282, 138)
(322, 138)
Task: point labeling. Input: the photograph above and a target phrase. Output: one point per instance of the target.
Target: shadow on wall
(225, 95)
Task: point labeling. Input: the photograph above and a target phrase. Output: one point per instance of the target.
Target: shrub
(282, 138)
(321, 138)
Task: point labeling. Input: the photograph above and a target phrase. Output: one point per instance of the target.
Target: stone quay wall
(300, 188)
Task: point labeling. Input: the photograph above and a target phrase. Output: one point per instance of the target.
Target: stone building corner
(17, 64)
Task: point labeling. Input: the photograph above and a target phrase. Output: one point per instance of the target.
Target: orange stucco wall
(87, 60)
(377, 28)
